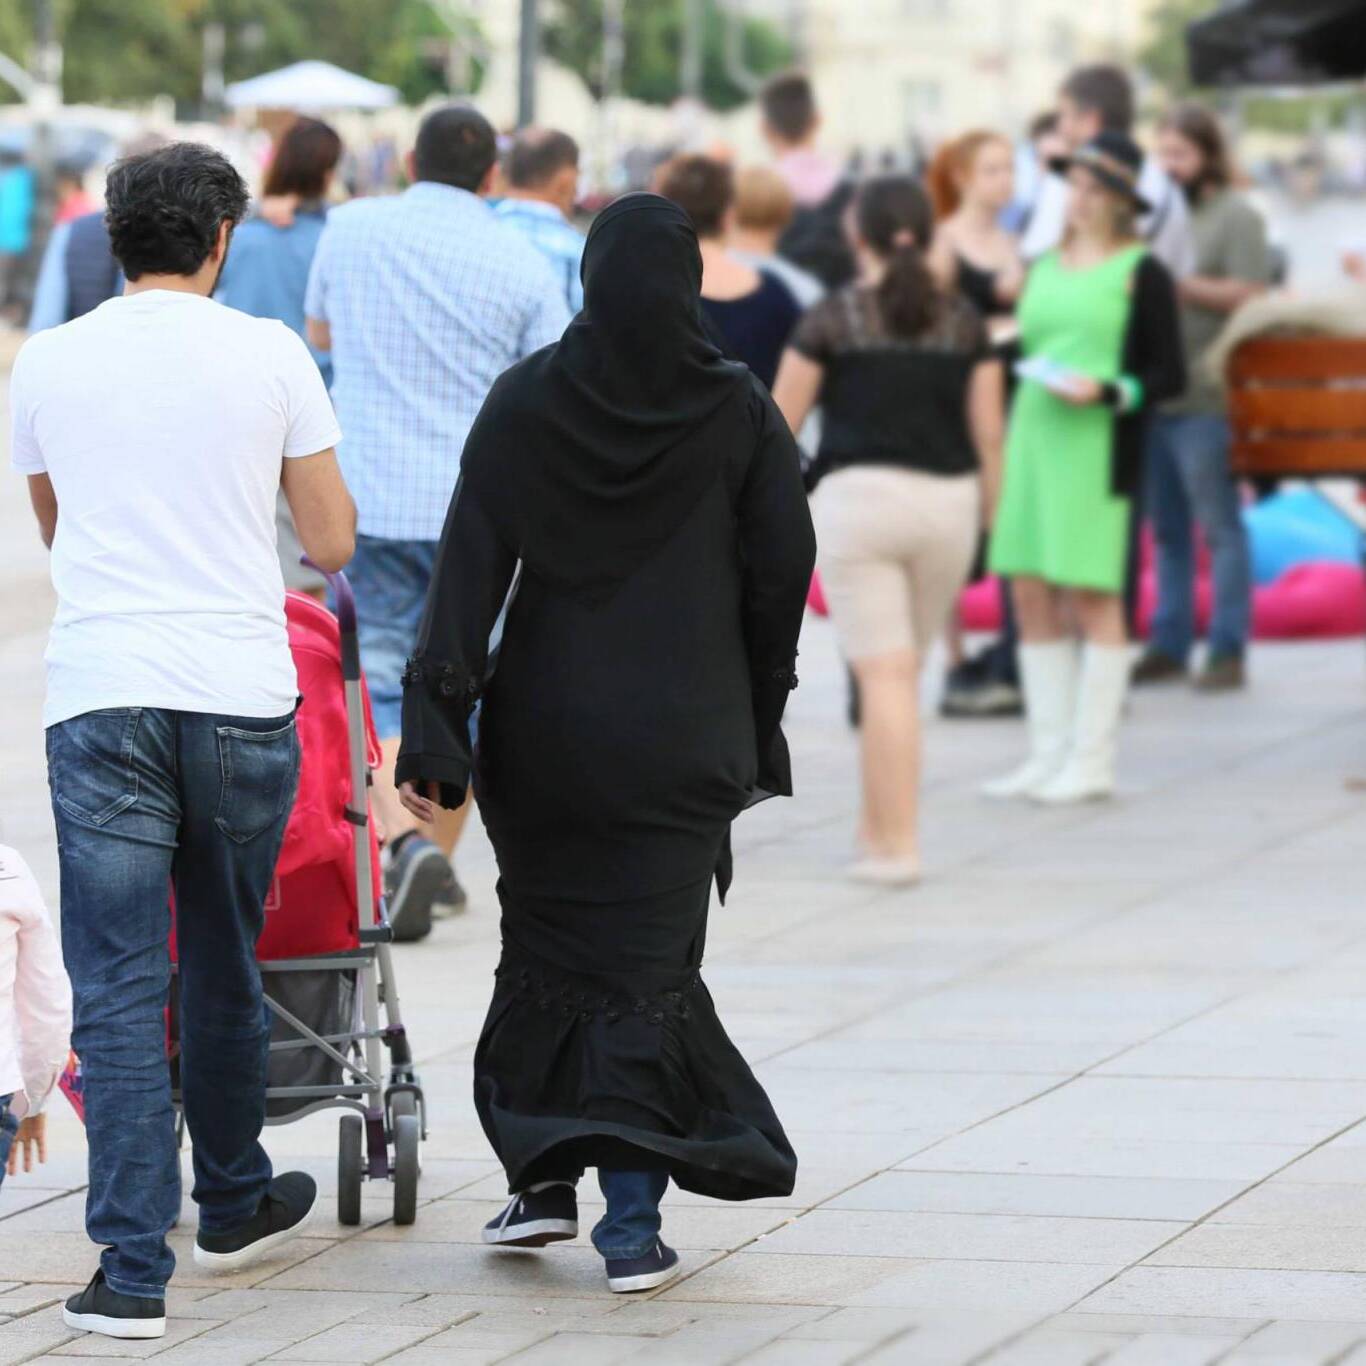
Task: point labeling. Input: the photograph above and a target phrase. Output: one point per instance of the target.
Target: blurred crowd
(939, 340)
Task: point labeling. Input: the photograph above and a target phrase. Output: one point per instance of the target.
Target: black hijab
(591, 453)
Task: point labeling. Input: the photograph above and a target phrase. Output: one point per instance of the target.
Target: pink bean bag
(815, 596)
(1323, 599)
(979, 607)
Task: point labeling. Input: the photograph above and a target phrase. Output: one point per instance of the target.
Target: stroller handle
(346, 617)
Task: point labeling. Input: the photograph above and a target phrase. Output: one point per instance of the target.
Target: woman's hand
(1080, 392)
(421, 800)
(31, 1138)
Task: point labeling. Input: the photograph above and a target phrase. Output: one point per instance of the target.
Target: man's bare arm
(44, 499)
(324, 513)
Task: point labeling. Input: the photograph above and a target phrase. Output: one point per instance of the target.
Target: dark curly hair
(164, 208)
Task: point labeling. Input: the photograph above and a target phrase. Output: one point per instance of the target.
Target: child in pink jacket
(35, 1014)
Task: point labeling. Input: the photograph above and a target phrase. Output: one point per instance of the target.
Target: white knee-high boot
(1049, 674)
(1089, 772)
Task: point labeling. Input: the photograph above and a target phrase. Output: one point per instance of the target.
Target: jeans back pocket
(259, 775)
(90, 764)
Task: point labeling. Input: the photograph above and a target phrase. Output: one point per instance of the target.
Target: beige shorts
(894, 548)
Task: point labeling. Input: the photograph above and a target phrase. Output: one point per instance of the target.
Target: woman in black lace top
(653, 496)
(909, 457)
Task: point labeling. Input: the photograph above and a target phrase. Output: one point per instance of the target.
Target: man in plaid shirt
(423, 299)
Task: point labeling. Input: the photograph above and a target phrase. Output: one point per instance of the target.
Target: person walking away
(1095, 100)
(423, 300)
(78, 271)
(911, 443)
(1100, 333)
(752, 310)
(971, 183)
(35, 1015)
(1189, 476)
(540, 189)
(155, 432)
(654, 497)
(73, 201)
(266, 275)
(814, 240)
(763, 209)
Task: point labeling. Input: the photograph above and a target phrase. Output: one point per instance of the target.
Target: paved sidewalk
(1094, 1092)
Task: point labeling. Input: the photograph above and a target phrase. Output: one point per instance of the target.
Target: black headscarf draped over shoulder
(589, 455)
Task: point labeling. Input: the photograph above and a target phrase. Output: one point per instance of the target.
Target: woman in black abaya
(653, 495)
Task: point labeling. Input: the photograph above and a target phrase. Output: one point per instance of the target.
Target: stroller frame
(384, 1117)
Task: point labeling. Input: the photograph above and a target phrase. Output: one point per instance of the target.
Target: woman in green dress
(1102, 344)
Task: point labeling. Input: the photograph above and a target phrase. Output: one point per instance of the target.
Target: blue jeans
(389, 579)
(9, 1126)
(1189, 481)
(630, 1228)
(148, 800)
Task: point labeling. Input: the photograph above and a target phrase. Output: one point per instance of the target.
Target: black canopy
(1279, 42)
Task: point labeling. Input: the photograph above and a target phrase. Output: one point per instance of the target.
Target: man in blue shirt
(542, 175)
(423, 299)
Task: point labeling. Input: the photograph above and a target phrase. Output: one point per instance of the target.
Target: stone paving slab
(1094, 1092)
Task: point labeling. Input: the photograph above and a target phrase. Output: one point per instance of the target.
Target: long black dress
(632, 713)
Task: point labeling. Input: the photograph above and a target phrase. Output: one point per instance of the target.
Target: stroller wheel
(407, 1138)
(350, 1167)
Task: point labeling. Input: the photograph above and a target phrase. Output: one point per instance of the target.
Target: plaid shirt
(551, 234)
(429, 299)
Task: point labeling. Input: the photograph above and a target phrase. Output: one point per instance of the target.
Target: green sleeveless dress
(1059, 518)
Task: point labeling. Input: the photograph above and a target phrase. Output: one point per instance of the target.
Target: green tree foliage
(134, 49)
(1163, 56)
(654, 49)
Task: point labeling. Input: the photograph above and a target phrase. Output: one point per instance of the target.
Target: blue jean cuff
(137, 1290)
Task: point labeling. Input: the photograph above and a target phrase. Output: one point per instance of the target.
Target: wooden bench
(1297, 407)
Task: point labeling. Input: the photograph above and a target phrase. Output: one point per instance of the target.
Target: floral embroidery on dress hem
(559, 992)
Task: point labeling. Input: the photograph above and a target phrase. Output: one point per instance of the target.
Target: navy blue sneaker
(418, 876)
(547, 1213)
(628, 1274)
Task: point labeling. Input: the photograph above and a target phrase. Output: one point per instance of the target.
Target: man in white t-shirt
(1092, 100)
(155, 432)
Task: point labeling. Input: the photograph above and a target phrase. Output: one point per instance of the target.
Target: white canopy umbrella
(310, 86)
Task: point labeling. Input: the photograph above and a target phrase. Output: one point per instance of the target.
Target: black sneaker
(285, 1209)
(1156, 666)
(418, 876)
(98, 1309)
(543, 1214)
(628, 1274)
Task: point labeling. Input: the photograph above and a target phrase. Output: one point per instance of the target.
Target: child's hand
(32, 1134)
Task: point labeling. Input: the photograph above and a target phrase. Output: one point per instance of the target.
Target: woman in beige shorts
(910, 459)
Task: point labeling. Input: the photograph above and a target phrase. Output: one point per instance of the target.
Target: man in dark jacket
(814, 240)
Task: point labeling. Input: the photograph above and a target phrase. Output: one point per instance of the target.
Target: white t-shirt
(1166, 229)
(162, 419)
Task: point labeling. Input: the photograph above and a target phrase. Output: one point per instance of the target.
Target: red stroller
(326, 965)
